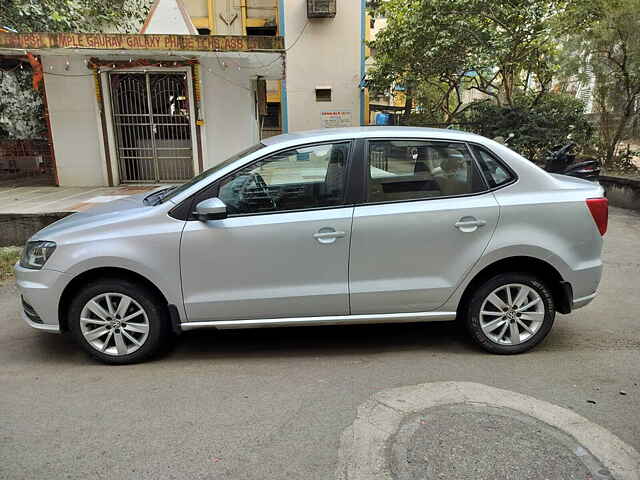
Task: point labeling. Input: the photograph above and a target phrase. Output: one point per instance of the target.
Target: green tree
(73, 15)
(605, 49)
(498, 48)
(20, 107)
(536, 122)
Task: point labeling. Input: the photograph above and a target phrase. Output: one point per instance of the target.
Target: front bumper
(41, 291)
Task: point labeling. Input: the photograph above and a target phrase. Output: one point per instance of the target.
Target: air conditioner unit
(321, 8)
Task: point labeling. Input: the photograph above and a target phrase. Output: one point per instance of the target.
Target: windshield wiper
(156, 197)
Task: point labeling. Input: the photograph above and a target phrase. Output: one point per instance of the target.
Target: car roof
(373, 131)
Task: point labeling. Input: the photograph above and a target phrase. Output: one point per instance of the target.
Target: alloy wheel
(512, 314)
(114, 323)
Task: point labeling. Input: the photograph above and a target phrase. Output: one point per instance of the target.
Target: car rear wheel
(118, 322)
(510, 313)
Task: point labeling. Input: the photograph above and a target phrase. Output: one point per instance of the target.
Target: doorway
(152, 125)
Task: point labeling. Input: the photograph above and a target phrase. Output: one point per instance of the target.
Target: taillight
(599, 208)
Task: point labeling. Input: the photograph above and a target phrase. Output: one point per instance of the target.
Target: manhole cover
(480, 442)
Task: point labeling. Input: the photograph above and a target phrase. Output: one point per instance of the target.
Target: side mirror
(211, 209)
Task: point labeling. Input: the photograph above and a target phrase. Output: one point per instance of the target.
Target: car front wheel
(118, 322)
(510, 313)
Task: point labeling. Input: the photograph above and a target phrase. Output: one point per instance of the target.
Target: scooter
(561, 159)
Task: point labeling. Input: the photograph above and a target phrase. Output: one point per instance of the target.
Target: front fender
(151, 251)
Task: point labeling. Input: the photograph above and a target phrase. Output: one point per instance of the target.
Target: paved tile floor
(47, 199)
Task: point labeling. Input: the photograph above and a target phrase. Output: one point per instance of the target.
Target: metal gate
(152, 126)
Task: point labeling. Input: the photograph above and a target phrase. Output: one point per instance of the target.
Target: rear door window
(416, 169)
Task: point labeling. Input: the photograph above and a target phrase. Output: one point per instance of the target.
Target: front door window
(301, 178)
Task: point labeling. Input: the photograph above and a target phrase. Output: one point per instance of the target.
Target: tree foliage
(20, 107)
(73, 15)
(498, 48)
(519, 55)
(536, 122)
(605, 43)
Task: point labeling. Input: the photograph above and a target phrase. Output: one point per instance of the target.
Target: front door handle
(469, 224)
(328, 235)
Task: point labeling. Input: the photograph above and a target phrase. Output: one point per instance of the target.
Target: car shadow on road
(447, 338)
(323, 341)
(292, 342)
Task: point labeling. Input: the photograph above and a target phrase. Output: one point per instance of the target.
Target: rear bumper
(582, 301)
(566, 302)
(584, 283)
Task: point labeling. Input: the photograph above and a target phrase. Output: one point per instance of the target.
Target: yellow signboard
(116, 41)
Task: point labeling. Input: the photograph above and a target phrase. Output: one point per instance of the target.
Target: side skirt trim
(331, 320)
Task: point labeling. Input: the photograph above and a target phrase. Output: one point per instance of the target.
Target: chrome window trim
(310, 209)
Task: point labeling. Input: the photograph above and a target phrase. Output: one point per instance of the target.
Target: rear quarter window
(494, 170)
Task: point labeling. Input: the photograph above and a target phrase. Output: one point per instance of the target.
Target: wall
(75, 126)
(169, 18)
(197, 8)
(262, 10)
(17, 228)
(228, 107)
(622, 192)
(266, 9)
(228, 111)
(327, 54)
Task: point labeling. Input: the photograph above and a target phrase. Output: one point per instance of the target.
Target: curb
(363, 445)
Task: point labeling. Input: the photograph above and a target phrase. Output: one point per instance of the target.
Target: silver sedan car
(343, 226)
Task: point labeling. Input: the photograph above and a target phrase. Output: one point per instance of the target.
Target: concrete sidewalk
(46, 200)
(25, 210)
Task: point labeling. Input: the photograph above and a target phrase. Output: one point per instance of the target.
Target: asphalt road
(272, 403)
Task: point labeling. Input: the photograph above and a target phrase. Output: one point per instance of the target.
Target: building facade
(203, 80)
(323, 84)
(160, 106)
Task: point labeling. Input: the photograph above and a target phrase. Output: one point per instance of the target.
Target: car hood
(103, 214)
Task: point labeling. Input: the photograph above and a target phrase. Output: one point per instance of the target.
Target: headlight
(36, 254)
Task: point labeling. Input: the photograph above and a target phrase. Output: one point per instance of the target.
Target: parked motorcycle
(561, 159)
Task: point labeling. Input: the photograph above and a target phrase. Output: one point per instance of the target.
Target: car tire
(493, 323)
(144, 329)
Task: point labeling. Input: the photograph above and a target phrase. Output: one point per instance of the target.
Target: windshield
(170, 193)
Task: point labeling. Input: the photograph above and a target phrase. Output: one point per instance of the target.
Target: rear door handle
(328, 235)
(469, 224)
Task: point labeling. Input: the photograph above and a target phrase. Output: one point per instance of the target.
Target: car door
(426, 220)
(283, 249)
